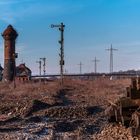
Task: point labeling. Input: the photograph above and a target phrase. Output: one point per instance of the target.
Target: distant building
(1, 73)
(23, 73)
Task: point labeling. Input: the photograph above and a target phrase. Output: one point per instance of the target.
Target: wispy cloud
(12, 10)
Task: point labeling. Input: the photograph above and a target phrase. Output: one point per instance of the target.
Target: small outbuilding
(23, 73)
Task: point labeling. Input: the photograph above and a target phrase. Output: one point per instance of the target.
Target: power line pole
(111, 57)
(44, 64)
(95, 64)
(61, 41)
(39, 62)
(80, 66)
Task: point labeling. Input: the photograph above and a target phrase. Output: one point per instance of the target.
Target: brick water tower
(9, 36)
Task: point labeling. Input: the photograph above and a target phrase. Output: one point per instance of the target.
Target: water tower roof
(10, 31)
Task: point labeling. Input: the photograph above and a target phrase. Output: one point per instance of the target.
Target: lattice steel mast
(111, 57)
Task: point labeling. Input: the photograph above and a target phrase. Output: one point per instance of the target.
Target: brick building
(23, 73)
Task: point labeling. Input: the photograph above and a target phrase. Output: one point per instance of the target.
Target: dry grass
(98, 91)
(65, 103)
(78, 92)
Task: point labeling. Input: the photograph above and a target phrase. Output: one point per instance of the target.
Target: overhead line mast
(95, 64)
(80, 66)
(39, 62)
(111, 57)
(44, 64)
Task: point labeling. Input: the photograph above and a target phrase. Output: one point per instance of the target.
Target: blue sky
(91, 27)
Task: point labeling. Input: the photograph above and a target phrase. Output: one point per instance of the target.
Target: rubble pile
(114, 132)
(67, 112)
(72, 112)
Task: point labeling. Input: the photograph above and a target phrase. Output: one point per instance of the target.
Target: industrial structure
(95, 64)
(10, 55)
(11, 72)
(44, 65)
(39, 62)
(61, 41)
(111, 57)
(126, 110)
(80, 66)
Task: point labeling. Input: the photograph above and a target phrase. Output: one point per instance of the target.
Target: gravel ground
(38, 111)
